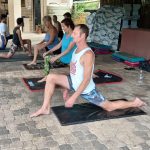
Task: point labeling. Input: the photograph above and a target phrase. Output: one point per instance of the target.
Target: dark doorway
(36, 12)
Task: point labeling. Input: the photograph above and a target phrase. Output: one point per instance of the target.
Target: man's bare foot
(40, 112)
(31, 63)
(138, 102)
(65, 95)
(42, 80)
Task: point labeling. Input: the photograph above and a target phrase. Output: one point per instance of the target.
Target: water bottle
(141, 77)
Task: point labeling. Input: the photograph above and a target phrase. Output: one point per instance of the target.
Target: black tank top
(15, 36)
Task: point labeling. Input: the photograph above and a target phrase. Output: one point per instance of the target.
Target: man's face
(77, 35)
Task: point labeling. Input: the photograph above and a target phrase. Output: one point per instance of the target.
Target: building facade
(33, 11)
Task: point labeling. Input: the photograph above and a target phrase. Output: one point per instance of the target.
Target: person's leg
(120, 104)
(95, 97)
(11, 52)
(51, 81)
(28, 42)
(7, 56)
(37, 48)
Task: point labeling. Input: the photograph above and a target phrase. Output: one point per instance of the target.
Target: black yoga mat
(41, 66)
(19, 57)
(106, 77)
(33, 85)
(83, 113)
(38, 66)
(4, 50)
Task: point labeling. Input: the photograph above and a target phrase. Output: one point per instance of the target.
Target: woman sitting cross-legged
(50, 40)
(67, 46)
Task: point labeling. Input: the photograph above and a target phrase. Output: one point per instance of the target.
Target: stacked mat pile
(134, 47)
(100, 48)
(127, 58)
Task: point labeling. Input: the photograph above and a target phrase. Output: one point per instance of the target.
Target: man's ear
(82, 35)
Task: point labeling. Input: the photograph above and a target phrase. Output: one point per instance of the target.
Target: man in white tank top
(80, 79)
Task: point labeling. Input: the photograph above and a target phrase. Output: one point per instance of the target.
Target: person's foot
(30, 55)
(65, 95)
(138, 102)
(95, 76)
(32, 63)
(42, 80)
(40, 112)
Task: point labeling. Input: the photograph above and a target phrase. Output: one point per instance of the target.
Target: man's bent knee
(51, 78)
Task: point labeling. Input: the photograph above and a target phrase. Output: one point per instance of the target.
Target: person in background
(4, 32)
(67, 46)
(67, 15)
(17, 41)
(50, 40)
(57, 25)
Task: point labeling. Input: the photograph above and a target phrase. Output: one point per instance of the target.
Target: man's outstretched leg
(51, 81)
(120, 104)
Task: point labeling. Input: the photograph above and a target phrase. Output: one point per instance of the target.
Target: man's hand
(53, 59)
(70, 102)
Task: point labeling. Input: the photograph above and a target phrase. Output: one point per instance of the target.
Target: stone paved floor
(19, 132)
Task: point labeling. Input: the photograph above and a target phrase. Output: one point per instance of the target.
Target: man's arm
(88, 66)
(71, 45)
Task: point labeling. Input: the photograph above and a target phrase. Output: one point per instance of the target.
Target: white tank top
(77, 72)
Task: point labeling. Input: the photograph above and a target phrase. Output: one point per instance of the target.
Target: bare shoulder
(18, 31)
(88, 57)
(53, 30)
(89, 54)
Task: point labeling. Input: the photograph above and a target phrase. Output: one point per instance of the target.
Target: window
(22, 3)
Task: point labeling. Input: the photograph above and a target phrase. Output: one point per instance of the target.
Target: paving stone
(45, 132)
(21, 112)
(3, 131)
(78, 134)
(142, 134)
(65, 147)
(124, 148)
(98, 146)
(15, 139)
(52, 144)
(44, 149)
(22, 128)
(141, 127)
(91, 137)
(145, 146)
(34, 131)
(76, 146)
(5, 141)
